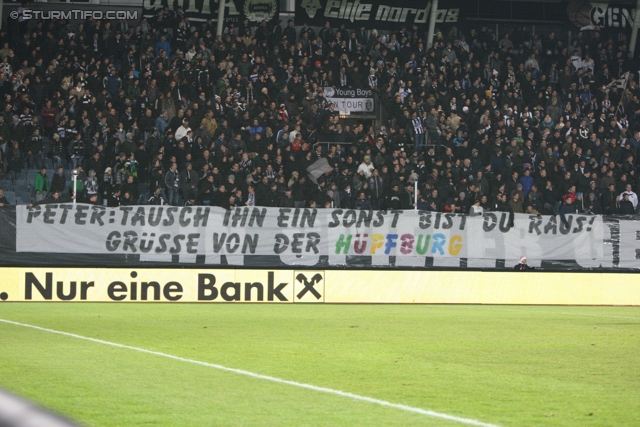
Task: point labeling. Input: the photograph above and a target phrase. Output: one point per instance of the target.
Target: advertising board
(316, 286)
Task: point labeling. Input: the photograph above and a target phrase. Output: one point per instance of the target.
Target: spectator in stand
(632, 196)
(3, 200)
(172, 181)
(59, 181)
(592, 205)
(568, 207)
(114, 200)
(41, 185)
(54, 197)
(522, 265)
(625, 206)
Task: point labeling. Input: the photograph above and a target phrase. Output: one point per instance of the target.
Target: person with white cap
(522, 265)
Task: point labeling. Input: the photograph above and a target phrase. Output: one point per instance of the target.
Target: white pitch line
(467, 421)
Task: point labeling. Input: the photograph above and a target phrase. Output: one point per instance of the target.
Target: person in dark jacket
(34, 150)
(286, 200)
(393, 200)
(58, 181)
(54, 197)
(16, 162)
(522, 265)
(608, 200)
(189, 182)
(592, 205)
(207, 189)
(172, 181)
(406, 197)
(362, 202)
(114, 200)
(273, 196)
(3, 200)
(625, 207)
(58, 151)
(568, 207)
(156, 198)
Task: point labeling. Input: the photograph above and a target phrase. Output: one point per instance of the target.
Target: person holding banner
(54, 197)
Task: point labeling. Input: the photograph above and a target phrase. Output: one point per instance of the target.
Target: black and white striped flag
(620, 83)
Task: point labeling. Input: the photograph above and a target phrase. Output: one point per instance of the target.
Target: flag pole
(634, 32)
(432, 23)
(220, 26)
(627, 77)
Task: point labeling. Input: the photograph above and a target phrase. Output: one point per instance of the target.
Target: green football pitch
(325, 365)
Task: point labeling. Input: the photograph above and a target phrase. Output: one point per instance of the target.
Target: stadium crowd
(164, 112)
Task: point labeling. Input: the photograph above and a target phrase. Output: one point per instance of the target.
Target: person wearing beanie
(593, 205)
(522, 265)
(476, 208)
(366, 167)
(463, 203)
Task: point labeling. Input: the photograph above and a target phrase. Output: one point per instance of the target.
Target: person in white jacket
(588, 64)
(366, 167)
(182, 131)
(476, 209)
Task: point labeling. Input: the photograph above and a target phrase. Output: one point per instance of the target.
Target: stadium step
(11, 197)
(24, 195)
(21, 187)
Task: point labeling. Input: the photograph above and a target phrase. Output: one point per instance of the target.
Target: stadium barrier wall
(317, 286)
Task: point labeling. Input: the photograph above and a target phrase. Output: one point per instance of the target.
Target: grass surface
(510, 366)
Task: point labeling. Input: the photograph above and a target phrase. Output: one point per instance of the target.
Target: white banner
(288, 232)
(352, 105)
(351, 100)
